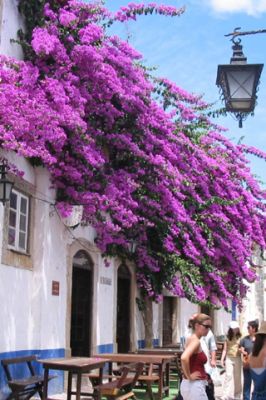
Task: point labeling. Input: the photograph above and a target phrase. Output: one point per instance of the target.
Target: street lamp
(238, 81)
(5, 184)
(132, 245)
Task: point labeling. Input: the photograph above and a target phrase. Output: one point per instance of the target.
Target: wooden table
(162, 360)
(73, 365)
(160, 350)
(175, 352)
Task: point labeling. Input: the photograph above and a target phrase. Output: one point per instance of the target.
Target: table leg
(45, 383)
(149, 390)
(167, 378)
(69, 385)
(100, 375)
(110, 368)
(78, 386)
(160, 391)
(97, 391)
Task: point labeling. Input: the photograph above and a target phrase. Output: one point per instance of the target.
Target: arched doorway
(81, 304)
(123, 326)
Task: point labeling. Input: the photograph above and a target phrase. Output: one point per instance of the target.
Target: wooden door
(168, 317)
(123, 310)
(81, 313)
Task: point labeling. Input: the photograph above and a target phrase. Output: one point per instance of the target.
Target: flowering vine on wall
(139, 153)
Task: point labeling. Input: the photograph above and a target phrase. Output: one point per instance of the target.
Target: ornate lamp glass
(5, 184)
(132, 245)
(238, 82)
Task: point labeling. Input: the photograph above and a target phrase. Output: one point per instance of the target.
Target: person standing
(209, 347)
(193, 358)
(231, 360)
(257, 363)
(246, 346)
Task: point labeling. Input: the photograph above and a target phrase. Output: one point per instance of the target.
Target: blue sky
(187, 50)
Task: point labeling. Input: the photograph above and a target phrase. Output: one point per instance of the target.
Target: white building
(57, 296)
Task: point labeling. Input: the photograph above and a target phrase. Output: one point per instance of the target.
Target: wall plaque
(55, 288)
(105, 281)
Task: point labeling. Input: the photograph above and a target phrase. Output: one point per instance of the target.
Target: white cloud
(250, 7)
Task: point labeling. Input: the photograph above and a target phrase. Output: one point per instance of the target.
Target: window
(18, 221)
(18, 225)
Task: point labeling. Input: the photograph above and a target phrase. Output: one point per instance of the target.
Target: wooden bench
(121, 387)
(25, 387)
(149, 376)
(175, 365)
(94, 377)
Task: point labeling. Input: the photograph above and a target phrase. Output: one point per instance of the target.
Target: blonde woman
(193, 386)
(231, 359)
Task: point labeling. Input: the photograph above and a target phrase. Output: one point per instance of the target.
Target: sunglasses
(206, 326)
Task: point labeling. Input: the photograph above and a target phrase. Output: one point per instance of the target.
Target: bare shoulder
(192, 345)
(193, 339)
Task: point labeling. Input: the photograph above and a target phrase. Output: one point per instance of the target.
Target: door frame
(87, 280)
(132, 299)
(93, 254)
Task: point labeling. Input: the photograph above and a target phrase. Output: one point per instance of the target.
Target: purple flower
(67, 18)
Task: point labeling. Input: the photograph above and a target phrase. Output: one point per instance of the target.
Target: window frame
(11, 256)
(19, 214)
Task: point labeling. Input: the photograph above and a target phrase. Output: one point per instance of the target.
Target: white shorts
(193, 390)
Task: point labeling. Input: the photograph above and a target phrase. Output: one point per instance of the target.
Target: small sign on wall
(55, 288)
(105, 281)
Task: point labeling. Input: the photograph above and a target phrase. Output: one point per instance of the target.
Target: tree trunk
(148, 322)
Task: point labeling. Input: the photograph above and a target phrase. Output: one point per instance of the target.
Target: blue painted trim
(21, 370)
(105, 348)
(233, 310)
(141, 343)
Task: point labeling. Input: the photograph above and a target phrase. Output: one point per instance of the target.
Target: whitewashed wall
(157, 317)
(49, 255)
(220, 319)
(34, 318)
(10, 21)
(106, 299)
(186, 309)
(254, 306)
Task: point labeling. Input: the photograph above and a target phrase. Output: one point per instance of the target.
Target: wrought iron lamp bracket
(238, 81)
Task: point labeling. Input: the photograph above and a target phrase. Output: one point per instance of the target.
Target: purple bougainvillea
(138, 152)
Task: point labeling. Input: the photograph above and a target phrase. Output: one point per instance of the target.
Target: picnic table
(73, 365)
(161, 360)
